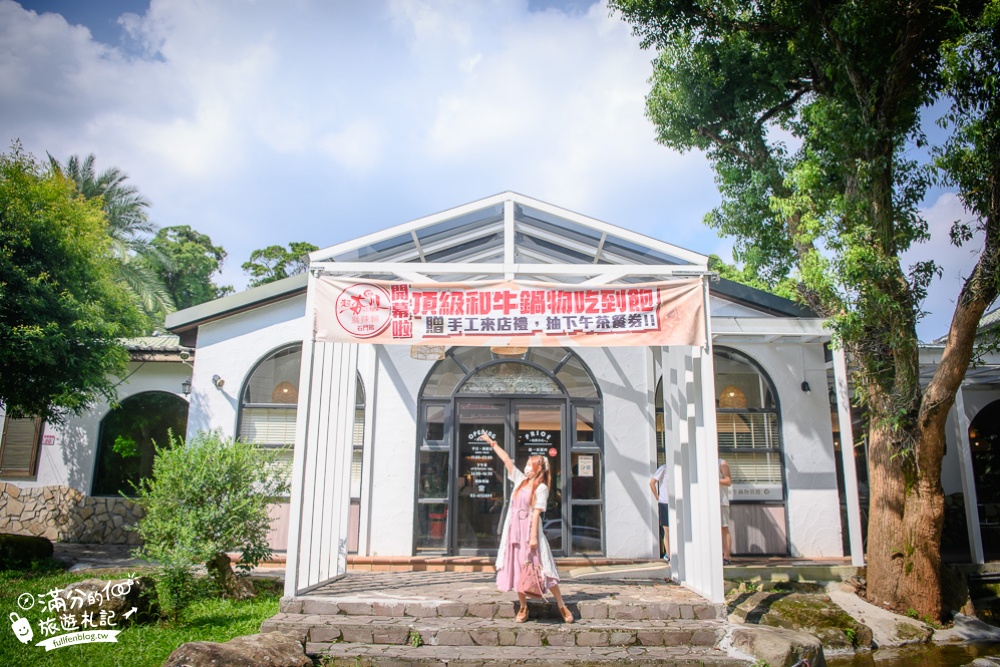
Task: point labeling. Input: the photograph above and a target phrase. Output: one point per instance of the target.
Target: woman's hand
(533, 543)
(488, 440)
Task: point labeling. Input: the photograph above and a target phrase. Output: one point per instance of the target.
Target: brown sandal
(522, 615)
(567, 615)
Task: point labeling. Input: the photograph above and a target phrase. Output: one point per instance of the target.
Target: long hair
(541, 475)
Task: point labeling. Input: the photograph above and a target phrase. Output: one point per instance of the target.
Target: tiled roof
(154, 344)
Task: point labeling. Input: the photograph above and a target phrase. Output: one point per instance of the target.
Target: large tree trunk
(887, 493)
(904, 570)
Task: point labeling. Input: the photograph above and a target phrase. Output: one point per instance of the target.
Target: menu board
(478, 466)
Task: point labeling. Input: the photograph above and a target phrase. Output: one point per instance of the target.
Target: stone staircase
(470, 626)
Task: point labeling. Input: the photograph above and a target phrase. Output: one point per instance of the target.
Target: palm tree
(129, 227)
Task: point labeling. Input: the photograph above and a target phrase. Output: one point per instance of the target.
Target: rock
(807, 612)
(273, 649)
(888, 629)
(777, 647)
(113, 597)
(968, 629)
(18, 551)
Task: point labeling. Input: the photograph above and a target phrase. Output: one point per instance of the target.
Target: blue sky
(267, 122)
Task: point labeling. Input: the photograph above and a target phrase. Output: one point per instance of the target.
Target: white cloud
(357, 147)
(262, 123)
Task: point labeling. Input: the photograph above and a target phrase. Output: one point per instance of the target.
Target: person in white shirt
(658, 484)
(725, 481)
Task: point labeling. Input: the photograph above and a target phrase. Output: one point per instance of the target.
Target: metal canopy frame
(509, 236)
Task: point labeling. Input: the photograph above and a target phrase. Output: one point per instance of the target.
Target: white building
(385, 462)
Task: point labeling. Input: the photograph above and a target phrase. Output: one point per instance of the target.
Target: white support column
(693, 453)
(706, 492)
(508, 236)
(847, 458)
(676, 409)
(321, 464)
(368, 368)
(961, 421)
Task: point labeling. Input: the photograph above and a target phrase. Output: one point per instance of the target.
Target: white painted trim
(628, 235)
(407, 227)
(968, 478)
(847, 457)
(293, 548)
(508, 235)
(711, 582)
(333, 268)
(368, 369)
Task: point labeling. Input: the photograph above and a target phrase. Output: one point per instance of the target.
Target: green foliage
(125, 447)
(186, 261)
(206, 497)
(62, 311)
(415, 640)
(274, 262)
(129, 226)
(809, 114)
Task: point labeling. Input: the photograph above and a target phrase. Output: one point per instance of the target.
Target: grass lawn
(147, 645)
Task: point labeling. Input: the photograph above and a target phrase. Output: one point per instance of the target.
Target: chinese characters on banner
(509, 313)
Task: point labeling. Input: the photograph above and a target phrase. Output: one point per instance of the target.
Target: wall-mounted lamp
(217, 381)
(833, 396)
(806, 388)
(186, 387)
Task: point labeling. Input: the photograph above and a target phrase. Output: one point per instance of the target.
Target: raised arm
(725, 477)
(501, 454)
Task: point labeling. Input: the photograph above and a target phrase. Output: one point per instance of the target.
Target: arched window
(125, 443)
(749, 431)
(541, 401)
(269, 402)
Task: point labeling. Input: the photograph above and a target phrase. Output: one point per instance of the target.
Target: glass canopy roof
(478, 233)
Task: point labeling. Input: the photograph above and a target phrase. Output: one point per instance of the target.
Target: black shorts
(664, 514)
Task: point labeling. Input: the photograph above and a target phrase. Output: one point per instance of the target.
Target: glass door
(538, 429)
(480, 483)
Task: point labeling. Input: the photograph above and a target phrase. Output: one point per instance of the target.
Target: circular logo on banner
(363, 310)
(553, 452)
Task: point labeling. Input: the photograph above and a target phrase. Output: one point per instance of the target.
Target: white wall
(230, 348)
(625, 379)
(70, 460)
(394, 449)
(813, 504)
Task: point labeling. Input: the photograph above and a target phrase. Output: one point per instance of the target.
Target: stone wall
(65, 514)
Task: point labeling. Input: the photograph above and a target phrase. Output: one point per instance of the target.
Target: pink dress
(515, 547)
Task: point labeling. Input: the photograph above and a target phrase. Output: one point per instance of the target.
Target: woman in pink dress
(522, 538)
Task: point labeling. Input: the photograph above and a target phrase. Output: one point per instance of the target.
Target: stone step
(629, 609)
(324, 631)
(371, 655)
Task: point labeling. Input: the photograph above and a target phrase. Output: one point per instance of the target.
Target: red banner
(509, 313)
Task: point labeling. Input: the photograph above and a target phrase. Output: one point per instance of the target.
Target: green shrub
(20, 551)
(206, 498)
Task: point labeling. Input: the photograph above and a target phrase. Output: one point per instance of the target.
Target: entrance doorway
(523, 429)
(542, 404)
